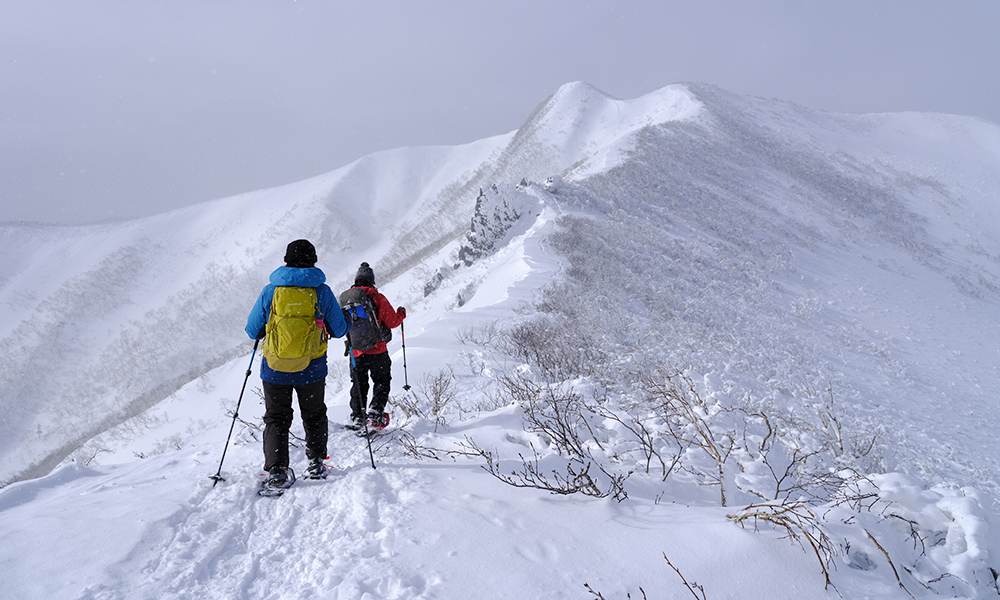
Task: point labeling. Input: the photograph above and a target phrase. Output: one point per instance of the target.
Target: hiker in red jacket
(373, 361)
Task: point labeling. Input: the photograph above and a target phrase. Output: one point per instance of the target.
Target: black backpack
(366, 330)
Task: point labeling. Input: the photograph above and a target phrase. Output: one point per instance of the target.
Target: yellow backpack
(295, 334)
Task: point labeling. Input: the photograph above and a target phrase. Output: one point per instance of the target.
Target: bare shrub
(647, 438)
(775, 456)
(696, 590)
(489, 402)
(847, 446)
(557, 414)
(889, 560)
(599, 596)
(788, 470)
(432, 396)
(800, 525)
(793, 478)
(483, 336)
(685, 414)
(560, 347)
(577, 478)
(409, 405)
(413, 449)
(438, 392)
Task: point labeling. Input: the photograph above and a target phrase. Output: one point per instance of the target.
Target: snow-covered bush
(434, 394)
(597, 420)
(794, 476)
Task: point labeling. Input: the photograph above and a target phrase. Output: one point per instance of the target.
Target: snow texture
(823, 287)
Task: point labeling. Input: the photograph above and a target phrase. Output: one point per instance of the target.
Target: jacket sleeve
(336, 324)
(386, 313)
(258, 314)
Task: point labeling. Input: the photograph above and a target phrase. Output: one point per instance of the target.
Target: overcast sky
(116, 109)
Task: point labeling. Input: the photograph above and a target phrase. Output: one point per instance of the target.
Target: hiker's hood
(310, 277)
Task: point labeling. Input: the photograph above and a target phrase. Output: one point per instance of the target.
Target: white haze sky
(116, 109)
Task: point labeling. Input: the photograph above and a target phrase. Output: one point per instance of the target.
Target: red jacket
(387, 315)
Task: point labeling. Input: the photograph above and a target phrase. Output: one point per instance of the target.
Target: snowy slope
(776, 255)
(812, 249)
(103, 322)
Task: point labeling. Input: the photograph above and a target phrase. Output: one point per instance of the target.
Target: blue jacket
(329, 308)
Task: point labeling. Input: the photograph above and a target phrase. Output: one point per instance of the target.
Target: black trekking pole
(368, 437)
(354, 381)
(402, 336)
(236, 413)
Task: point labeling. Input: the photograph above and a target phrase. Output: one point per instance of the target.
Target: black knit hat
(300, 254)
(365, 276)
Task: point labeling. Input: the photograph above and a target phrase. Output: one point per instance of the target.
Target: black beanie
(365, 276)
(300, 254)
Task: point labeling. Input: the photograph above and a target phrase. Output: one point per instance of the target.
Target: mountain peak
(579, 92)
(580, 130)
(580, 104)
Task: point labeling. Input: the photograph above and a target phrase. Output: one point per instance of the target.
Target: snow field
(768, 252)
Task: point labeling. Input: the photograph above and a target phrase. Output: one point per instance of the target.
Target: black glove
(401, 312)
(347, 348)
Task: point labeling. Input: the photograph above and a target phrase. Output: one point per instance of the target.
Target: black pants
(278, 418)
(379, 367)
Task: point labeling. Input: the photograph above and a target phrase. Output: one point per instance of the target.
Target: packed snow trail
(322, 539)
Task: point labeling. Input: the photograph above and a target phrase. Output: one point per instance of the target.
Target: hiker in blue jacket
(308, 382)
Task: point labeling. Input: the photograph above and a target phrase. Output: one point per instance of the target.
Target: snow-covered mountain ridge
(119, 298)
(773, 253)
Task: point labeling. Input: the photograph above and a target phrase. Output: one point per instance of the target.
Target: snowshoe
(356, 424)
(277, 480)
(377, 422)
(317, 469)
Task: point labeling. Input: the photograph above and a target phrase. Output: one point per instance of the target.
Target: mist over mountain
(777, 255)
